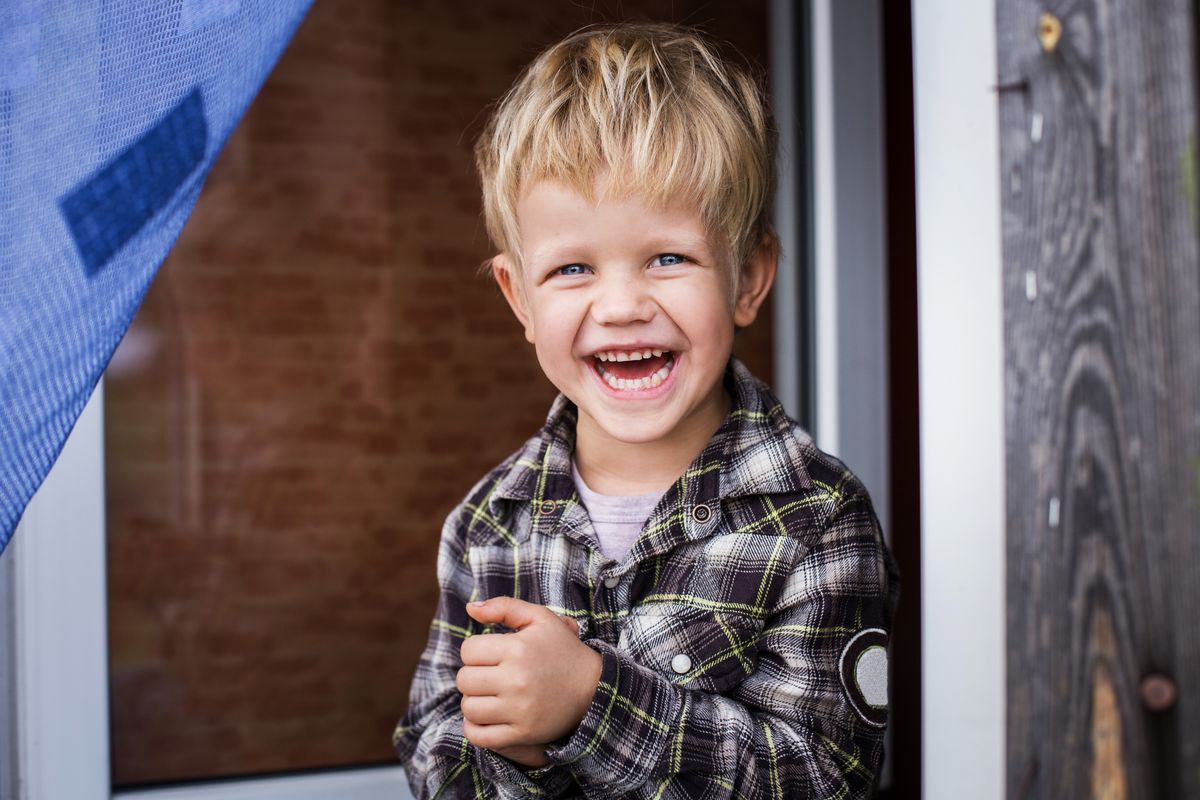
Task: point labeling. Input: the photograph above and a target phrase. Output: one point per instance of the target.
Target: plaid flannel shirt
(742, 636)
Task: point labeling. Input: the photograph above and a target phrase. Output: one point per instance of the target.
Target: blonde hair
(651, 103)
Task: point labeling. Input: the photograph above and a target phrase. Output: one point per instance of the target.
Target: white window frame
(961, 353)
(849, 236)
(56, 562)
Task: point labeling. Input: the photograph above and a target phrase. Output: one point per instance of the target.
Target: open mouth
(634, 370)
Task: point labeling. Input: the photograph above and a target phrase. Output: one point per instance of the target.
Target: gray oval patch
(863, 667)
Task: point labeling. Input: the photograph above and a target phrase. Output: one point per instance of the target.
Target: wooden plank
(1102, 339)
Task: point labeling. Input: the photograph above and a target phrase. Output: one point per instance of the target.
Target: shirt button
(681, 663)
(546, 508)
(701, 513)
(611, 582)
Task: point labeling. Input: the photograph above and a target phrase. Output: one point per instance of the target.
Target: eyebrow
(687, 242)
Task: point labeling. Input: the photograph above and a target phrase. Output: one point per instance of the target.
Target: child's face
(631, 308)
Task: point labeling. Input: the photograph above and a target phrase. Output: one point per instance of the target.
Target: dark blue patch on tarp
(111, 115)
(114, 204)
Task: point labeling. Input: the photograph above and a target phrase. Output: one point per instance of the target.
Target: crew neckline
(614, 507)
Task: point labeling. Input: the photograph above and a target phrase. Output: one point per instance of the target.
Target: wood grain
(1102, 339)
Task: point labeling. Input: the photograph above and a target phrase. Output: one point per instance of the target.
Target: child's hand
(527, 688)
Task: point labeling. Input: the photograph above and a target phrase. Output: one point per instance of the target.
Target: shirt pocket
(712, 651)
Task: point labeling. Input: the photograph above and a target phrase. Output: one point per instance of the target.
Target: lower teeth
(648, 382)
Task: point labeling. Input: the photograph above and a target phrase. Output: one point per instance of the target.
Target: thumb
(507, 611)
(571, 624)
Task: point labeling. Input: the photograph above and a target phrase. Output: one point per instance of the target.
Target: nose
(621, 300)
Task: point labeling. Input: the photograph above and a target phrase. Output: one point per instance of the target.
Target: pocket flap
(697, 648)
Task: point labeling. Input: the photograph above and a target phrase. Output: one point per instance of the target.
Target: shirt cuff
(626, 734)
(547, 781)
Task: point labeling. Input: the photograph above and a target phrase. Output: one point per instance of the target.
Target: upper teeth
(628, 355)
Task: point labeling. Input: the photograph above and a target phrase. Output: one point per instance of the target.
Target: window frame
(58, 676)
(54, 677)
(961, 378)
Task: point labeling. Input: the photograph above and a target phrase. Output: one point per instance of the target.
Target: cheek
(703, 311)
(556, 325)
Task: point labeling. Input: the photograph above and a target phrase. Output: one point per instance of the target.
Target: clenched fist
(524, 690)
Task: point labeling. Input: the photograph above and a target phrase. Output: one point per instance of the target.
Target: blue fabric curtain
(111, 114)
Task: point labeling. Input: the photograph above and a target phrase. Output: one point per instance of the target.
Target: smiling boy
(668, 591)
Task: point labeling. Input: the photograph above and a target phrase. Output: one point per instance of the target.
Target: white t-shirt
(617, 519)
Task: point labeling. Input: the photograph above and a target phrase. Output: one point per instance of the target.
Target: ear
(509, 280)
(758, 273)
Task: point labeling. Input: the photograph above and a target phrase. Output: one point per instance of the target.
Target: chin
(632, 431)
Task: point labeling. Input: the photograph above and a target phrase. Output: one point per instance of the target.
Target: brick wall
(316, 377)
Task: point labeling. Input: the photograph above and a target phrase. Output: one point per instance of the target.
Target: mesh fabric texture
(111, 115)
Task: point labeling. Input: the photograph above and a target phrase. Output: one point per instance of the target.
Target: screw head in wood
(1049, 31)
(1158, 692)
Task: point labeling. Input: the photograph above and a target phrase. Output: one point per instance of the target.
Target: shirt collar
(757, 450)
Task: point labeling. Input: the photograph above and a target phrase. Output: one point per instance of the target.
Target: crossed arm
(479, 718)
(482, 724)
(507, 706)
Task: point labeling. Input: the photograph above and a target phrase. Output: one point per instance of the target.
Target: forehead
(554, 219)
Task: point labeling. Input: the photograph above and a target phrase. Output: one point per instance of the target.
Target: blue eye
(672, 259)
(571, 269)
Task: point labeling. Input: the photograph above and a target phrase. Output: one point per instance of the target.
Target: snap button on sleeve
(611, 582)
(701, 513)
(681, 663)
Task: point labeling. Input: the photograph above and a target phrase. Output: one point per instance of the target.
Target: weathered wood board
(1102, 349)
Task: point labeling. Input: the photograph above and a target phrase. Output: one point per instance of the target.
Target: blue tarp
(111, 114)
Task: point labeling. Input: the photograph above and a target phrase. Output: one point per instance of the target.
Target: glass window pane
(316, 377)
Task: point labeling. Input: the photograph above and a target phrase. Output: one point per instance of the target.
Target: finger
(571, 624)
(483, 649)
(492, 737)
(478, 681)
(508, 611)
(484, 710)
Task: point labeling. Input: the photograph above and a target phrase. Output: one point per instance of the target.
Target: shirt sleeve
(439, 761)
(806, 722)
